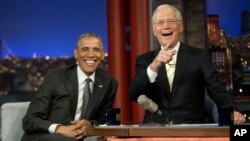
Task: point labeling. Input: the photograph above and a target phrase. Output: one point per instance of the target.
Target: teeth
(166, 32)
(90, 62)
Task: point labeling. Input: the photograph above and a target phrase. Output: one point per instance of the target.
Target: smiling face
(89, 54)
(167, 28)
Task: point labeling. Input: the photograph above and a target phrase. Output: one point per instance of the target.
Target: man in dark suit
(55, 114)
(180, 101)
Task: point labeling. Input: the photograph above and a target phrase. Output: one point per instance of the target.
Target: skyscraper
(1, 46)
(245, 22)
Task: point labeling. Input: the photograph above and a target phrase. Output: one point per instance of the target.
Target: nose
(169, 23)
(90, 52)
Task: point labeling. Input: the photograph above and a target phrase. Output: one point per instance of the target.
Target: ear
(153, 27)
(75, 54)
(181, 27)
(103, 55)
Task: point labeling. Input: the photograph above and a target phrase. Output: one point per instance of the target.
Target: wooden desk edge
(160, 132)
(180, 132)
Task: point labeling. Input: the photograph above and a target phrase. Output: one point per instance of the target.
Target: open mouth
(167, 34)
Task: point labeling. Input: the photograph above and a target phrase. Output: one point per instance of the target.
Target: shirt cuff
(52, 128)
(151, 75)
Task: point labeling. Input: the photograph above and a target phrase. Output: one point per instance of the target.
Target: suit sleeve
(36, 118)
(215, 85)
(140, 84)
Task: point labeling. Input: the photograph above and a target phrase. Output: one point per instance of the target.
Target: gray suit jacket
(185, 104)
(57, 100)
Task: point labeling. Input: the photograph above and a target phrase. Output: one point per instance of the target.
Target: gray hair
(166, 6)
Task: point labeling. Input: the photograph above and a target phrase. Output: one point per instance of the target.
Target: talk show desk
(163, 133)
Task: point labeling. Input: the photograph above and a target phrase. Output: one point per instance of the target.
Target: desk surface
(166, 131)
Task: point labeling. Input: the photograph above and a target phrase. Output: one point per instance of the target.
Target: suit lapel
(71, 84)
(162, 77)
(182, 58)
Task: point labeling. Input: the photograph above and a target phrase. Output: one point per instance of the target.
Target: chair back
(11, 123)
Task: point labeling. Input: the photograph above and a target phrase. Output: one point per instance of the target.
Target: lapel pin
(100, 86)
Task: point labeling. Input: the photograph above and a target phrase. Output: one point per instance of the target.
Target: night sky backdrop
(229, 12)
(51, 27)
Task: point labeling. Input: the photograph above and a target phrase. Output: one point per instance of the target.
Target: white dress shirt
(81, 83)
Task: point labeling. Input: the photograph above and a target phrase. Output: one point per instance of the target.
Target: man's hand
(68, 131)
(77, 129)
(239, 118)
(81, 127)
(163, 57)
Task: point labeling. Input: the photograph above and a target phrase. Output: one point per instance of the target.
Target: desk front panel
(171, 139)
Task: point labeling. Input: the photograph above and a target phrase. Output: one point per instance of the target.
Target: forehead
(165, 13)
(89, 42)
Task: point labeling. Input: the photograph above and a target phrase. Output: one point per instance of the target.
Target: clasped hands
(77, 129)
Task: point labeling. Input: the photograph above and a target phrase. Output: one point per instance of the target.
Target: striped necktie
(86, 96)
(170, 67)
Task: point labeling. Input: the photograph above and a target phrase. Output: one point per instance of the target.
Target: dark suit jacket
(57, 100)
(185, 104)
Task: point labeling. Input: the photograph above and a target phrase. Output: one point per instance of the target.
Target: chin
(88, 72)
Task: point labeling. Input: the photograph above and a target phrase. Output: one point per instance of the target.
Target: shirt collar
(82, 76)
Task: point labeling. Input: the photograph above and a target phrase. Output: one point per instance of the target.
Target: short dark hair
(90, 34)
